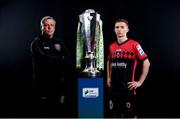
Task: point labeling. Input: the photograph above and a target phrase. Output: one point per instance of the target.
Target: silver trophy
(90, 30)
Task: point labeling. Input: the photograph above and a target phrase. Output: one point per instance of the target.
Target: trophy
(90, 43)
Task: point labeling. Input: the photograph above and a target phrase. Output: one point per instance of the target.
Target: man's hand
(134, 85)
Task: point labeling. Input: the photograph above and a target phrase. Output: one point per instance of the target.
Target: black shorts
(122, 106)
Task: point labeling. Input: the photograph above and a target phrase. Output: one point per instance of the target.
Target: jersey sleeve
(140, 54)
(109, 54)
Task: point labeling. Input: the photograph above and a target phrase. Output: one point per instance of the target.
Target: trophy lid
(89, 11)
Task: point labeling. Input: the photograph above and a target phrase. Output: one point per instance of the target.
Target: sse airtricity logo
(90, 92)
(139, 48)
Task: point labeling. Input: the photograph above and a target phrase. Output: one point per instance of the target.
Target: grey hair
(46, 18)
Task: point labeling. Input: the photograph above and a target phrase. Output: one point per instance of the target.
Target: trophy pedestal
(90, 98)
(90, 90)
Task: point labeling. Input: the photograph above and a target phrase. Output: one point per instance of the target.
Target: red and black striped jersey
(124, 58)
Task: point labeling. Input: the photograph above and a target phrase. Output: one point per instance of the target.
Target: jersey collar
(122, 42)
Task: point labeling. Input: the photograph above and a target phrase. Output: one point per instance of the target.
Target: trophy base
(90, 74)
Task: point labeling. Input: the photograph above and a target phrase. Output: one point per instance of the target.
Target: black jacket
(50, 63)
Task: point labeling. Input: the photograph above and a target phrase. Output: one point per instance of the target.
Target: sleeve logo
(140, 50)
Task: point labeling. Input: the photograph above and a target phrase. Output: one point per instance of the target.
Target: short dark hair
(122, 20)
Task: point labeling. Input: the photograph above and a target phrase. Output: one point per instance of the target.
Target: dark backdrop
(153, 23)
